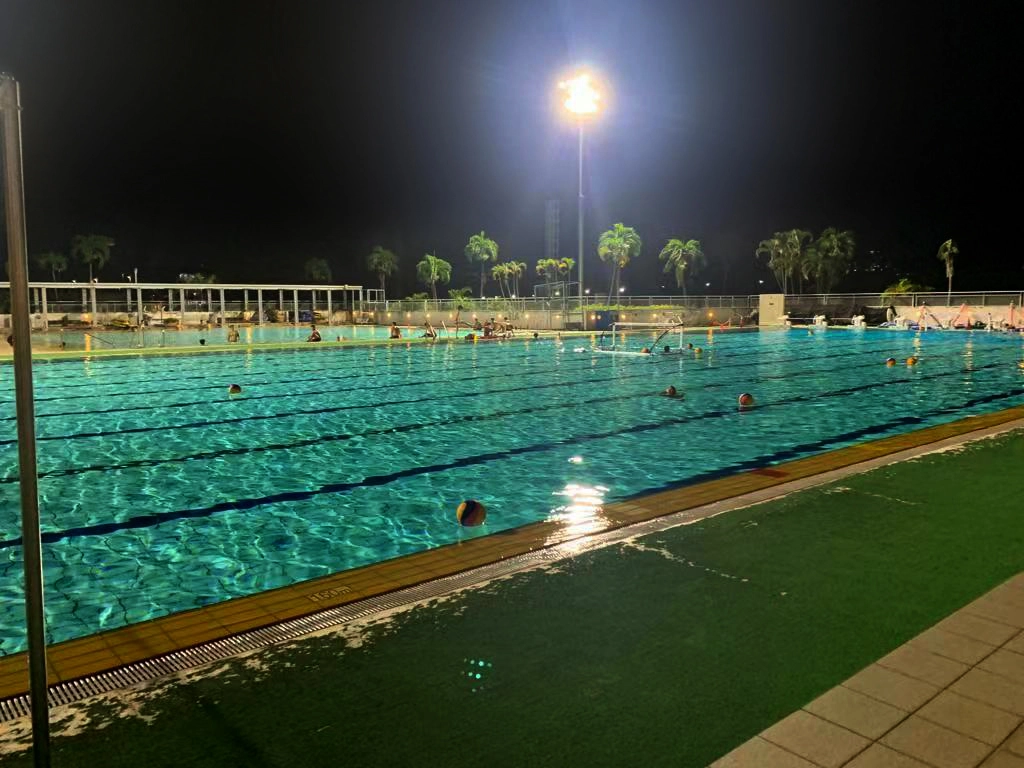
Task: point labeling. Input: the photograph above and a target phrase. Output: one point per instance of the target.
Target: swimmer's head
(536, 335)
(890, 362)
(646, 350)
(689, 345)
(667, 349)
(234, 389)
(671, 391)
(202, 342)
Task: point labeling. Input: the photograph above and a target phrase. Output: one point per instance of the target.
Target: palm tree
(499, 272)
(481, 248)
(946, 253)
(317, 271)
(795, 244)
(830, 258)
(564, 267)
(515, 271)
(432, 270)
(772, 248)
(618, 245)
(383, 262)
(93, 250)
(547, 268)
(681, 255)
(53, 261)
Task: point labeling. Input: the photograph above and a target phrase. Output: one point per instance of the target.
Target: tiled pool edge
(194, 629)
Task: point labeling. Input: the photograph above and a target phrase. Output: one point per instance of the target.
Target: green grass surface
(666, 654)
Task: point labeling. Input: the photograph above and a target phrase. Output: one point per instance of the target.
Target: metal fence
(560, 303)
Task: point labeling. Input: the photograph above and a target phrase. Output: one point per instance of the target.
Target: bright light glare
(581, 95)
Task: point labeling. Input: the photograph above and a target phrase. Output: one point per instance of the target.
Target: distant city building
(551, 229)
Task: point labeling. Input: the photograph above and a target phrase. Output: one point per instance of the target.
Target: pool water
(153, 337)
(160, 492)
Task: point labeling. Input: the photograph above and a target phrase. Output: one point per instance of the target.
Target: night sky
(244, 138)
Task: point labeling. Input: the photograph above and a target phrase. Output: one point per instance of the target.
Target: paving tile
(991, 689)
(856, 712)
(893, 688)
(934, 744)
(960, 648)
(1016, 742)
(1006, 663)
(815, 739)
(924, 665)
(1004, 759)
(1016, 644)
(997, 610)
(969, 717)
(978, 628)
(758, 753)
(879, 756)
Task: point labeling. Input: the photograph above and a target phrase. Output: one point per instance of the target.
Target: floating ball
(234, 389)
(698, 351)
(911, 361)
(890, 361)
(746, 400)
(471, 512)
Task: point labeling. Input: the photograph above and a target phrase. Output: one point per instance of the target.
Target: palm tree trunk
(949, 290)
(482, 278)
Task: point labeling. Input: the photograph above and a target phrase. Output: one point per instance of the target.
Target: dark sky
(244, 138)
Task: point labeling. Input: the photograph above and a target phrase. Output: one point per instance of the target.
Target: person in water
(314, 334)
(396, 332)
(429, 332)
(232, 334)
(670, 392)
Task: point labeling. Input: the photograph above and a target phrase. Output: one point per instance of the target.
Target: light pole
(581, 101)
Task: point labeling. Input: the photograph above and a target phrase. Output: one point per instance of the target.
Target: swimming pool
(160, 493)
(154, 337)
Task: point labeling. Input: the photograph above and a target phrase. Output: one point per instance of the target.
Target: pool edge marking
(106, 651)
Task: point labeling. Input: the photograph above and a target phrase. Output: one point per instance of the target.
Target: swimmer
(689, 345)
(536, 335)
(645, 351)
(670, 392)
(698, 351)
(234, 389)
(911, 360)
(890, 362)
(232, 334)
(202, 342)
(314, 334)
(396, 332)
(667, 349)
(340, 338)
(810, 331)
(10, 340)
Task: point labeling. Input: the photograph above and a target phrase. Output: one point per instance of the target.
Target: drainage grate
(218, 650)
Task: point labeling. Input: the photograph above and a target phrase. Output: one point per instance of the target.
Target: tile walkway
(952, 697)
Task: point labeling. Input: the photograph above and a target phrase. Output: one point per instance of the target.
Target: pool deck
(110, 650)
(951, 696)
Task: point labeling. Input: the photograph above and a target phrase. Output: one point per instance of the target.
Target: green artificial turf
(669, 655)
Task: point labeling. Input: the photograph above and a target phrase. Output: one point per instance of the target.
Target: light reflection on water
(583, 512)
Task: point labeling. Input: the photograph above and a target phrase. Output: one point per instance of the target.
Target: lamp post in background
(581, 101)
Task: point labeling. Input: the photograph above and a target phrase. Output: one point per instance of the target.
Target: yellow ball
(471, 512)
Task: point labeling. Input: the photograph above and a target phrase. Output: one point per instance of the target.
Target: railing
(932, 298)
(560, 304)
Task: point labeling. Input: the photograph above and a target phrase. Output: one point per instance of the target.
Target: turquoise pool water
(148, 338)
(160, 492)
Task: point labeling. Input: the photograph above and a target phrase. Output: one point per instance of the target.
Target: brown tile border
(137, 642)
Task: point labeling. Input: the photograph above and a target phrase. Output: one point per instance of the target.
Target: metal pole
(17, 254)
(295, 300)
(92, 300)
(579, 253)
(259, 304)
(329, 307)
(46, 311)
(138, 306)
